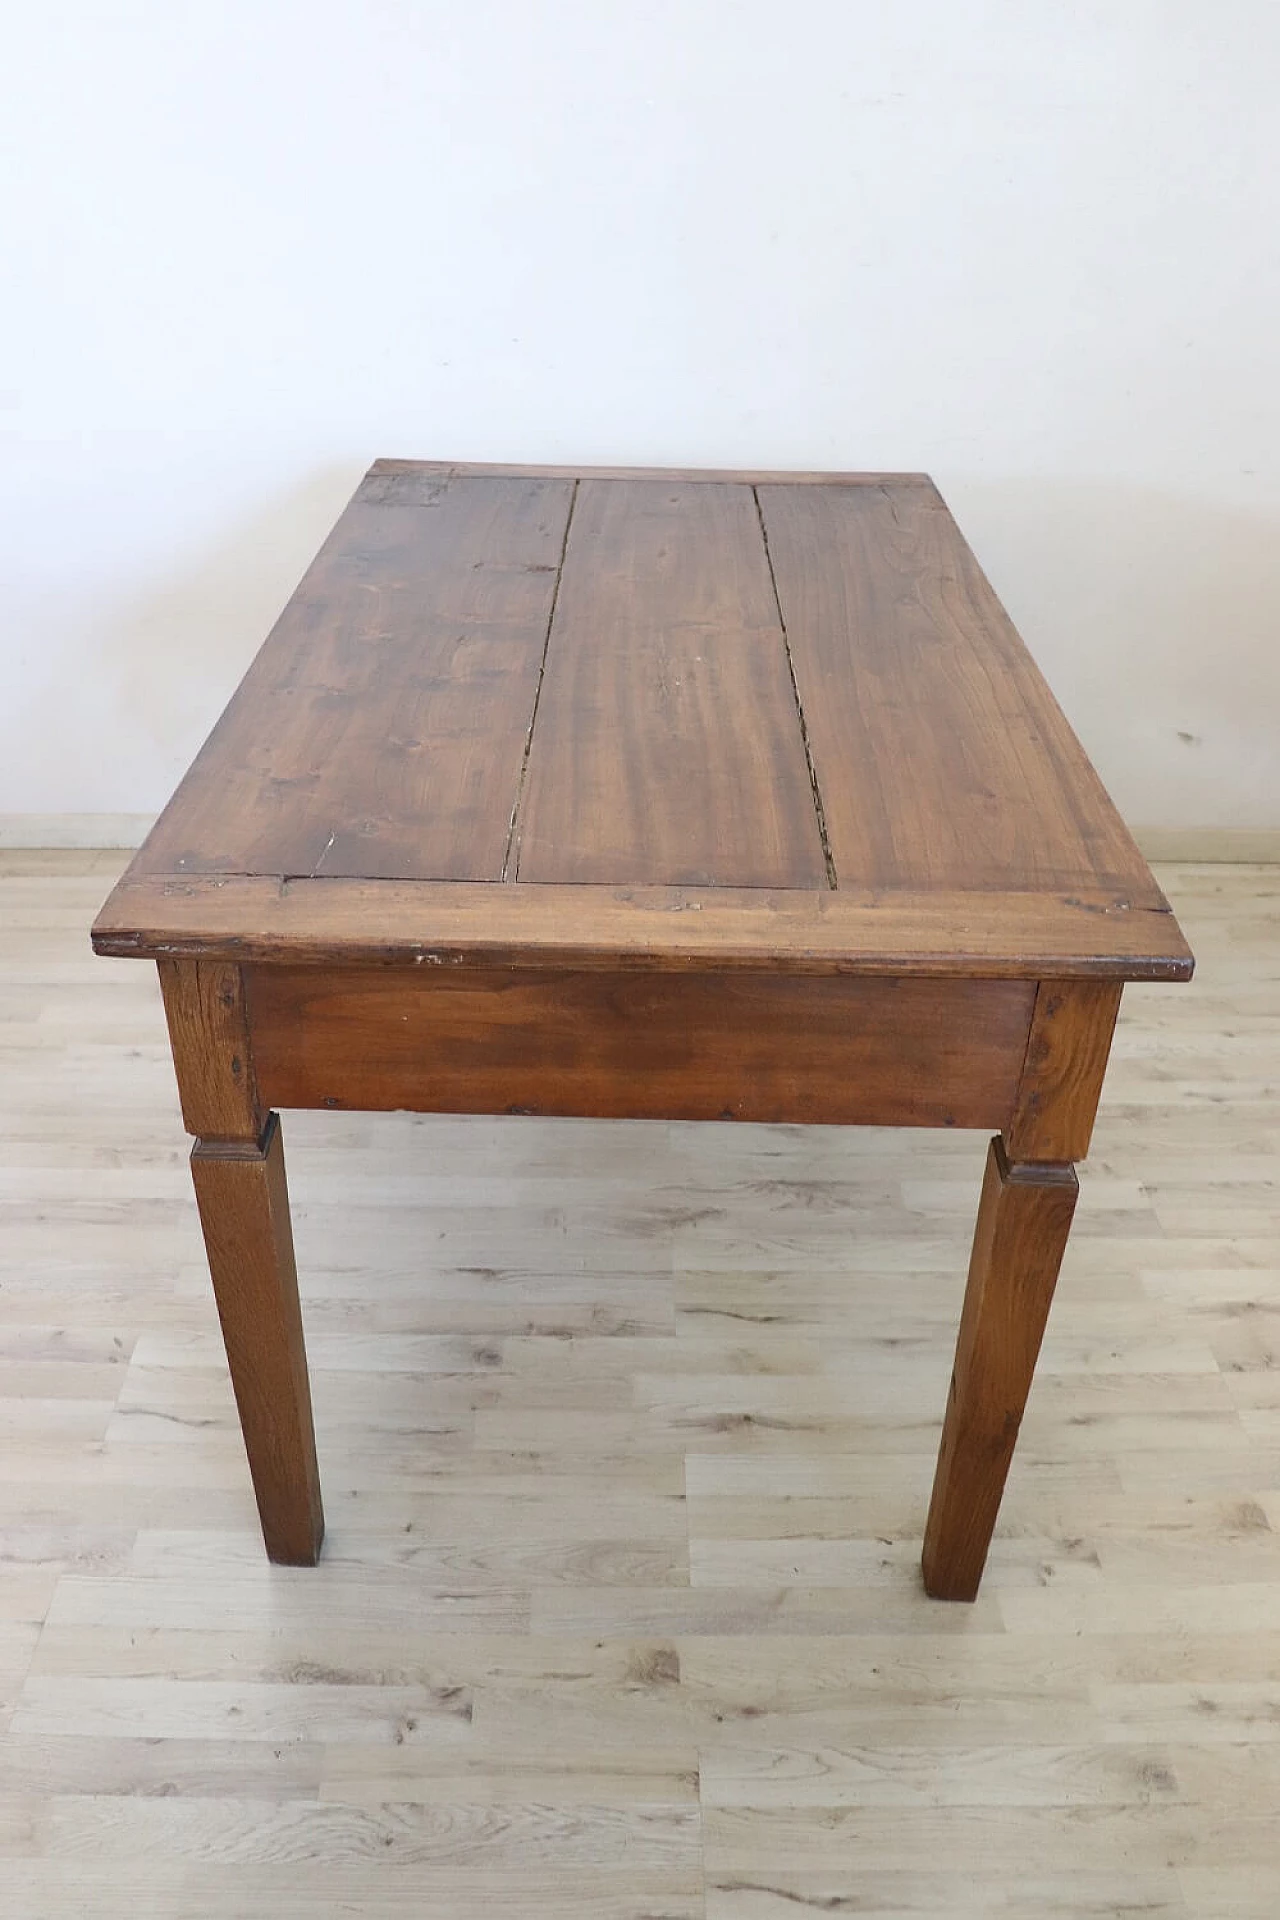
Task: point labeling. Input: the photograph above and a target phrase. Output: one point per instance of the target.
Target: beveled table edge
(725, 476)
(1088, 934)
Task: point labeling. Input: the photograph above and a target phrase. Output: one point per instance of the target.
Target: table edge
(1085, 934)
(727, 476)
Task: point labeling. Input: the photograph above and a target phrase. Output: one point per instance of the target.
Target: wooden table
(688, 796)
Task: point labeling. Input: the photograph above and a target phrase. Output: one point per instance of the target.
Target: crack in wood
(513, 844)
(827, 856)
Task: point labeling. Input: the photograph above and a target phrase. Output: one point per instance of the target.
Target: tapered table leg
(237, 1165)
(244, 1212)
(1024, 1218)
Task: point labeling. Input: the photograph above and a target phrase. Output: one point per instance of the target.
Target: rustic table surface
(651, 794)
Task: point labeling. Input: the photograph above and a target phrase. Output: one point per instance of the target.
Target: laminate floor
(627, 1433)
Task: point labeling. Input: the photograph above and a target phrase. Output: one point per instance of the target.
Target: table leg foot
(1024, 1218)
(244, 1212)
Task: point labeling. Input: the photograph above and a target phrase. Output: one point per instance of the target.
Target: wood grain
(212, 1052)
(244, 1213)
(942, 757)
(457, 696)
(988, 935)
(1067, 1054)
(660, 1046)
(382, 728)
(667, 749)
(1024, 1217)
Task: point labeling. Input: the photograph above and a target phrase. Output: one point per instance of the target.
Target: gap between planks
(513, 843)
(814, 788)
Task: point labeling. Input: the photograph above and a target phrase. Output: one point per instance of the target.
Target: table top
(646, 718)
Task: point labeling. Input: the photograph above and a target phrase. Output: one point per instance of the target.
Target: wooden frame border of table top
(729, 476)
(1080, 935)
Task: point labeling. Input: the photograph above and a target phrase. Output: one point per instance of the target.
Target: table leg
(237, 1166)
(1028, 1199)
(1024, 1218)
(244, 1212)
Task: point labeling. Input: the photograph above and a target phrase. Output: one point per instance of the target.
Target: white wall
(1029, 245)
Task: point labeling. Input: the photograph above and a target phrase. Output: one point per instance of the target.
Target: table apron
(812, 1049)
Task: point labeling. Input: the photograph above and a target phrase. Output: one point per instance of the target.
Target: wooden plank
(1083, 934)
(667, 748)
(382, 728)
(633, 1045)
(1062, 1077)
(942, 758)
